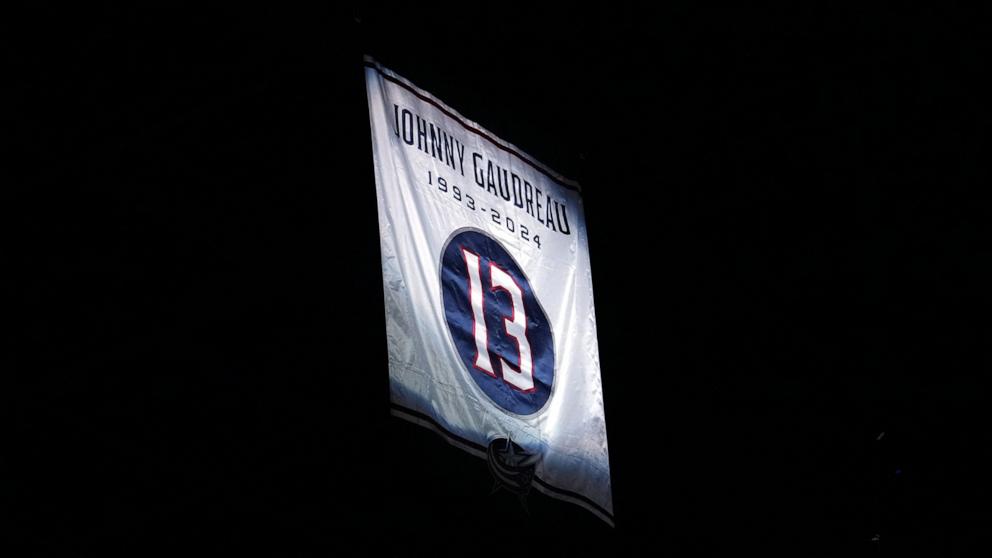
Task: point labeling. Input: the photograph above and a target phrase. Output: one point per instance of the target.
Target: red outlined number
(521, 379)
(476, 298)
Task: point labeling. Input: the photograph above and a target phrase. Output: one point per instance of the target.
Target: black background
(790, 255)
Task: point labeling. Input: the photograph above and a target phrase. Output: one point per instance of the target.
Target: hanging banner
(490, 323)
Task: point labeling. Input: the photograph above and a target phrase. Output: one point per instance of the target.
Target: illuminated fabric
(490, 323)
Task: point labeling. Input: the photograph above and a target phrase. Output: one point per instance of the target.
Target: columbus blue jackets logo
(496, 322)
(512, 467)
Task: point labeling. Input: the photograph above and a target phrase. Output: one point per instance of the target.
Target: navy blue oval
(498, 306)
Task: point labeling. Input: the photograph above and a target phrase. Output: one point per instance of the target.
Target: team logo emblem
(497, 325)
(512, 467)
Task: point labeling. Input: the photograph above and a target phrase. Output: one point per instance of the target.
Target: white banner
(489, 308)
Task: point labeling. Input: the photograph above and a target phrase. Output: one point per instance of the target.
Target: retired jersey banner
(490, 323)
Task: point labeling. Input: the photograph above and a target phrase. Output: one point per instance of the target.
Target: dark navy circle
(498, 306)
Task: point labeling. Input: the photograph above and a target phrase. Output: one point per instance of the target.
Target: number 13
(516, 324)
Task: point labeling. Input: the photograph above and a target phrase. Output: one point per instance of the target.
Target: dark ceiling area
(790, 253)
